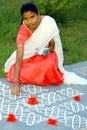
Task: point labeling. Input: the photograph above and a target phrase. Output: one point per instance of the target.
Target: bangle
(16, 81)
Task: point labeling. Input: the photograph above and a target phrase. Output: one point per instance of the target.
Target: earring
(23, 22)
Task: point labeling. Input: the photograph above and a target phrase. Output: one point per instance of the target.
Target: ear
(38, 14)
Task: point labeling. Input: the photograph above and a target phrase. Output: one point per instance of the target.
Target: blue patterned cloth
(55, 102)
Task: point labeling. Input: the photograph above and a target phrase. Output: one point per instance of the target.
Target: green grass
(74, 39)
(73, 33)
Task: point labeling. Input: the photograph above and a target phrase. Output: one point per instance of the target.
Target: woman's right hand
(15, 89)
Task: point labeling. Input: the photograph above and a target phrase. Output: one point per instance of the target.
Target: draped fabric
(23, 34)
(40, 70)
(46, 31)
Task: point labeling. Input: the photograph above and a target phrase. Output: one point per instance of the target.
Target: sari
(46, 31)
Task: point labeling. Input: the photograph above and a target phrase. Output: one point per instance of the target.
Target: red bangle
(16, 81)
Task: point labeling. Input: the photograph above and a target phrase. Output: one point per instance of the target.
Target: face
(30, 19)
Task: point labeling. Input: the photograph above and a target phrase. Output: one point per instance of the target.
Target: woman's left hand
(51, 45)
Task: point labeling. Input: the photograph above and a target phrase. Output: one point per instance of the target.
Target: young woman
(29, 67)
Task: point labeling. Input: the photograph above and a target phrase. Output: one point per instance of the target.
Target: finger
(13, 91)
(18, 94)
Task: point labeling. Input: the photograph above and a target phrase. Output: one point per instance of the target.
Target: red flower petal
(11, 118)
(77, 98)
(52, 121)
(32, 100)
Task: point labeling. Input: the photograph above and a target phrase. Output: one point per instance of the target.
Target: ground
(55, 102)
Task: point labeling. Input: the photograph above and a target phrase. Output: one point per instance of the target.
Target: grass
(74, 41)
(73, 33)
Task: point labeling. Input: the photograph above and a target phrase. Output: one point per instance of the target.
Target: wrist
(16, 81)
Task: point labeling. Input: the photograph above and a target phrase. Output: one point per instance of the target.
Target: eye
(32, 16)
(25, 18)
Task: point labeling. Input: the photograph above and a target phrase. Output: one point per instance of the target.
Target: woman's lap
(40, 70)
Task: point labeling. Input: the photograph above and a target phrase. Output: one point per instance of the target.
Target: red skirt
(39, 70)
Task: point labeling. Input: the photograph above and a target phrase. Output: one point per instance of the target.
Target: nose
(29, 21)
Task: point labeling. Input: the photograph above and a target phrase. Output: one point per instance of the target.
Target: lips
(31, 26)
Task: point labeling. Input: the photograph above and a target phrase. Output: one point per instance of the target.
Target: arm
(19, 56)
(51, 45)
(23, 35)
